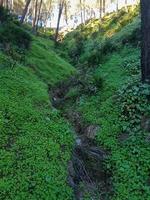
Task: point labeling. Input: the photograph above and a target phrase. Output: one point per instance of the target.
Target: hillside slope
(36, 143)
(106, 93)
(113, 98)
(89, 42)
(47, 64)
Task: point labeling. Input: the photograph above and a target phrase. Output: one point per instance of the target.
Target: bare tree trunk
(7, 4)
(81, 12)
(104, 7)
(39, 13)
(12, 5)
(91, 14)
(61, 6)
(84, 10)
(50, 12)
(66, 12)
(1, 2)
(100, 9)
(25, 11)
(145, 53)
(47, 15)
(117, 6)
(126, 5)
(35, 16)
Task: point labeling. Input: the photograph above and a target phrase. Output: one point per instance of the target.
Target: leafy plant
(4, 15)
(16, 35)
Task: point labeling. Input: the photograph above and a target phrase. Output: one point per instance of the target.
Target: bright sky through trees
(72, 13)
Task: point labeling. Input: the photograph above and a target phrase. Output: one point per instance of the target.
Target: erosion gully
(87, 174)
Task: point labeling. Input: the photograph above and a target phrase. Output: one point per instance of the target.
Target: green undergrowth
(46, 63)
(36, 142)
(119, 108)
(90, 42)
(113, 76)
(119, 103)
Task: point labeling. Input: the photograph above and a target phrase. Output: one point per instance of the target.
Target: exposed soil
(87, 173)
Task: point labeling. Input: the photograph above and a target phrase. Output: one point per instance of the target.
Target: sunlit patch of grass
(36, 142)
(46, 63)
(90, 42)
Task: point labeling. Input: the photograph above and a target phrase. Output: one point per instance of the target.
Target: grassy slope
(89, 42)
(36, 142)
(129, 160)
(47, 64)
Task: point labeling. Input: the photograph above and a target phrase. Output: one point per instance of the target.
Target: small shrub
(17, 54)
(46, 32)
(133, 99)
(6, 62)
(132, 65)
(98, 81)
(12, 34)
(77, 47)
(4, 15)
(91, 83)
(73, 93)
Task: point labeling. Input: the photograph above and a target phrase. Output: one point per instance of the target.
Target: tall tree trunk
(66, 12)
(7, 4)
(47, 15)
(100, 9)
(25, 11)
(81, 12)
(100, 12)
(117, 5)
(126, 5)
(61, 6)
(145, 53)
(84, 11)
(35, 16)
(12, 5)
(1, 2)
(39, 13)
(50, 12)
(104, 7)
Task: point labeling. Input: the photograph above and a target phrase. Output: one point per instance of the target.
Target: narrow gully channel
(86, 169)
